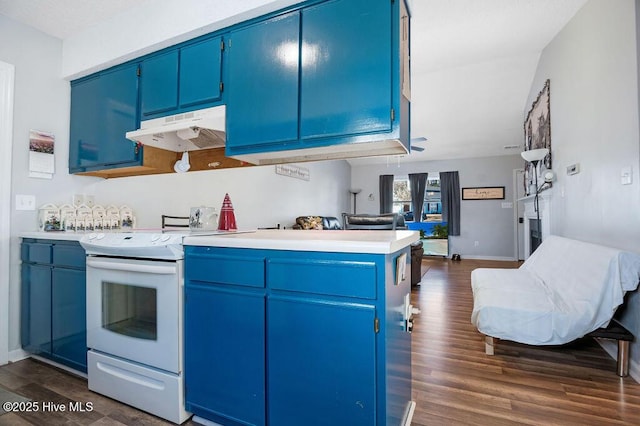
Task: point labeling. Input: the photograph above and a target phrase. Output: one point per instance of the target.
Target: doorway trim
(7, 78)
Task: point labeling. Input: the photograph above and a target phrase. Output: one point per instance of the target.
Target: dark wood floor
(454, 382)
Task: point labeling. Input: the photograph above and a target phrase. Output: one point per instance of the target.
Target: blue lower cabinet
(322, 363)
(224, 354)
(69, 317)
(36, 309)
(267, 343)
(53, 301)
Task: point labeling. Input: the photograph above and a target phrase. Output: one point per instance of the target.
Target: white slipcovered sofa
(565, 290)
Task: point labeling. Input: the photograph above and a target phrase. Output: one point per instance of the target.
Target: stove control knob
(165, 237)
(154, 237)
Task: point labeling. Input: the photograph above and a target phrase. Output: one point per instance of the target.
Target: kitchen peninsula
(299, 327)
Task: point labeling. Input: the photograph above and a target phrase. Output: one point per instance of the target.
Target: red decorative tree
(227, 220)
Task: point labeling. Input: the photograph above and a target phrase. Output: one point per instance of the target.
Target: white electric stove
(135, 286)
(144, 244)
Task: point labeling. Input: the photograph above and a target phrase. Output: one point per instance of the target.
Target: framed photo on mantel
(483, 193)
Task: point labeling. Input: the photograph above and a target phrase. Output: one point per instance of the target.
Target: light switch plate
(25, 202)
(573, 169)
(626, 176)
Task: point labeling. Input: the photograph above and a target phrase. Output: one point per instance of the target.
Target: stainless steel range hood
(189, 131)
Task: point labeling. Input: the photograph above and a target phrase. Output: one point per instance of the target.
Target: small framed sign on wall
(483, 193)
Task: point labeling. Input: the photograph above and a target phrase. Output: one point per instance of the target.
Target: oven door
(134, 310)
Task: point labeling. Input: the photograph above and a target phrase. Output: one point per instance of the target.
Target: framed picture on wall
(483, 193)
(537, 134)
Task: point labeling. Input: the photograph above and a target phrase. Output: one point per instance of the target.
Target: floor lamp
(534, 156)
(355, 193)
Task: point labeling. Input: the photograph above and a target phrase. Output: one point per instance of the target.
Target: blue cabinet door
(159, 86)
(321, 362)
(84, 137)
(53, 305)
(119, 116)
(346, 81)
(201, 72)
(103, 109)
(225, 354)
(36, 308)
(68, 317)
(182, 79)
(262, 83)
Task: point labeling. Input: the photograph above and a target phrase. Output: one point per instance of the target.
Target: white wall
(594, 122)
(484, 221)
(260, 197)
(41, 103)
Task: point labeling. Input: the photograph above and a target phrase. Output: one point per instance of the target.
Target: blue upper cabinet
(346, 82)
(182, 79)
(84, 140)
(320, 79)
(262, 83)
(103, 108)
(344, 89)
(201, 72)
(159, 85)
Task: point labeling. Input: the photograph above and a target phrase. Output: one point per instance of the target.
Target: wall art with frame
(537, 134)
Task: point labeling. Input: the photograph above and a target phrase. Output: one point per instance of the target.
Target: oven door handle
(132, 267)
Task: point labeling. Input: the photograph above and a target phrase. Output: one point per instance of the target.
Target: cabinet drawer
(225, 269)
(349, 278)
(71, 255)
(36, 252)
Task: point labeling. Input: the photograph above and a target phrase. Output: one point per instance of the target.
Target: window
(432, 208)
(433, 232)
(401, 195)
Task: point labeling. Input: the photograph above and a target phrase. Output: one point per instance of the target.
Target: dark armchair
(387, 221)
(373, 221)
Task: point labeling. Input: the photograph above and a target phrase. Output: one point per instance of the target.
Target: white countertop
(352, 241)
(54, 235)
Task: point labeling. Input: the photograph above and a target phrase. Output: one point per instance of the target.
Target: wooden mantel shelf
(545, 195)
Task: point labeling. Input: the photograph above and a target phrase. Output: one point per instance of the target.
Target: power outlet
(25, 202)
(78, 199)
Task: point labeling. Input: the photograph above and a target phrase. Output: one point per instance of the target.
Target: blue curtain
(450, 193)
(418, 185)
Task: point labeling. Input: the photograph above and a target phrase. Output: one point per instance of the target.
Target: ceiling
(472, 64)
